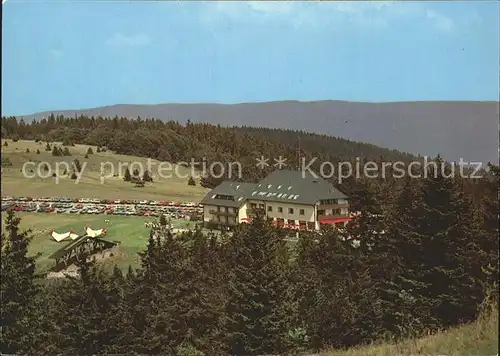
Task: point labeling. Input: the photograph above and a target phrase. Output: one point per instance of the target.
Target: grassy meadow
(476, 339)
(14, 183)
(129, 230)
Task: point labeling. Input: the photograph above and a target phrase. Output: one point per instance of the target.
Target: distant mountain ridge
(454, 129)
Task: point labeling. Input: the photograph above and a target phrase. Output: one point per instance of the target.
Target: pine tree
(191, 181)
(489, 213)
(56, 151)
(258, 280)
(66, 152)
(163, 220)
(336, 303)
(454, 255)
(77, 166)
(47, 147)
(89, 151)
(37, 151)
(146, 177)
(88, 301)
(397, 262)
(127, 177)
(432, 252)
(27, 150)
(18, 286)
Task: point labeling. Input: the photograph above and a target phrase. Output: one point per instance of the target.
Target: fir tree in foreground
(258, 288)
(18, 286)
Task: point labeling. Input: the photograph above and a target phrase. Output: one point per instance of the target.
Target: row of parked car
(175, 212)
(99, 201)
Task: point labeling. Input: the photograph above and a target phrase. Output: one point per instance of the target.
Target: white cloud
(56, 52)
(363, 14)
(271, 7)
(121, 40)
(442, 22)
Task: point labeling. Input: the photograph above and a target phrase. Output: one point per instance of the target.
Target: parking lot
(61, 205)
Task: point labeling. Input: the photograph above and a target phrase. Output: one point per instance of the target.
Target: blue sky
(71, 55)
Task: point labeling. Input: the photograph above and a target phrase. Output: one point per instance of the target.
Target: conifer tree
(431, 248)
(56, 151)
(258, 280)
(163, 220)
(397, 264)
(146, 177)
(127, 177)
(336, 302)
(18, 286)
(77, 166)
(66, 152)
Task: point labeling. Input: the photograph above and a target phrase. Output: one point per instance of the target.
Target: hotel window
(253, 206)
(269, 208)
(290, 210)
(280, 209)
(302, 212)
(235, 210)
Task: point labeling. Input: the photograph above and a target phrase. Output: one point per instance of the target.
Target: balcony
(333, 206)
(332, 216)
(230, 222)
(222, 213)
(255, 211)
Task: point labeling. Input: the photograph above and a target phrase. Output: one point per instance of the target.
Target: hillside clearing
(172, 187)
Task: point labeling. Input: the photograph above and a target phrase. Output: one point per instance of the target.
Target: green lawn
(129, 230)
(172, 186)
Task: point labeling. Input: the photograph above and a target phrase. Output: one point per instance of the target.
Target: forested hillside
(454, 129)
(253, 293)
(171, 141)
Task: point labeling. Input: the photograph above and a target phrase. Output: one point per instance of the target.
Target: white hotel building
(287, 198)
